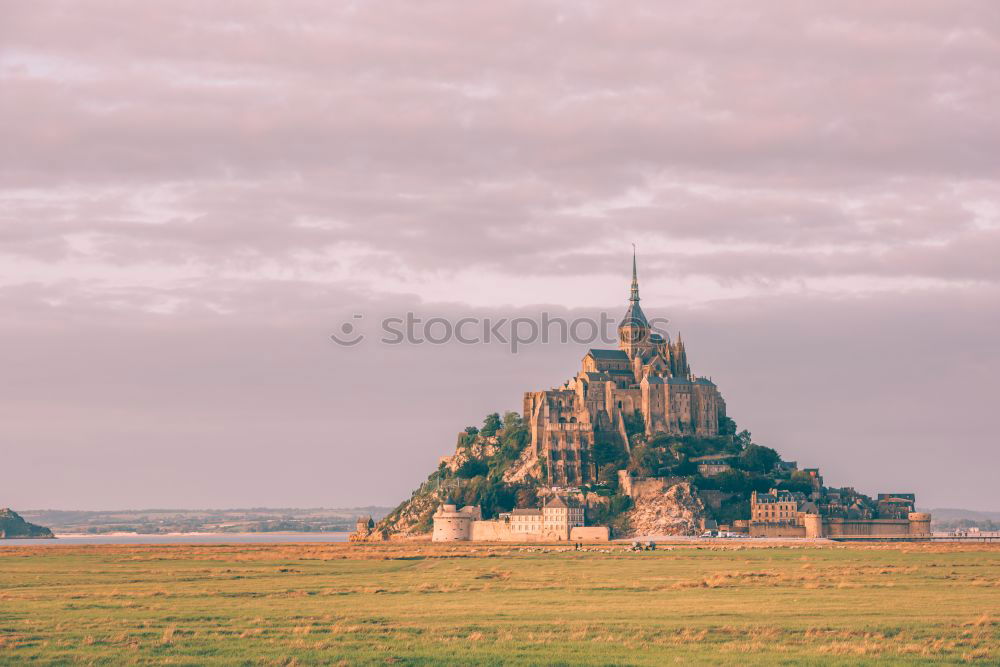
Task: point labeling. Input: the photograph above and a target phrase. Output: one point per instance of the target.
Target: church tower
(680, 359)
(633, 332)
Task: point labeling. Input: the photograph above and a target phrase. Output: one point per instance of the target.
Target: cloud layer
(174, 176)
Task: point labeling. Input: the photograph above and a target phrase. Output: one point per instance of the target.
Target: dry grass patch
(498, 604)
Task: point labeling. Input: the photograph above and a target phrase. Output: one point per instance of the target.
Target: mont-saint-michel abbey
(647, 378)
(634, 444)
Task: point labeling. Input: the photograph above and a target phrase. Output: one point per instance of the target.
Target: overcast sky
(194, 196)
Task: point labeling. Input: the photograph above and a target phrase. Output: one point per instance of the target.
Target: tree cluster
(480, 481)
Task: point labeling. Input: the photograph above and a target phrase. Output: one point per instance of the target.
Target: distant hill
(950, 518)
(159, 521)
(954, 514)
(13, 526)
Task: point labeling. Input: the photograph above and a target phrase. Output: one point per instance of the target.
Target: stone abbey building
(645, 385)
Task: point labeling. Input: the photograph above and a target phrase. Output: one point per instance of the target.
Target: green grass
(447, 604)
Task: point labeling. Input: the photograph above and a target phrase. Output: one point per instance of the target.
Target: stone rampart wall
(835, 527)
(501, 531)
(776, 530)
(589, 534)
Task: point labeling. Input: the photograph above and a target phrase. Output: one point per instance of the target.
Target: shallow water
(195, 538)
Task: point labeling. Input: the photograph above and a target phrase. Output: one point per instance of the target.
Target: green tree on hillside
(492, 496)
(798, 481)
(490, 425)
(645, 461)
(608, 474)
(757, 458)
(513, 440)
(472, 468)
(526, 497)
(468, 437)
(742, 439)
(608, 452)
(512, 420)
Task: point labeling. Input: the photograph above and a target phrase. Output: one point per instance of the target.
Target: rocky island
(637, 443)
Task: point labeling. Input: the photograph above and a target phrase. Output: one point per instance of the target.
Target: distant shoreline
(204, 534)
(78, 524)
(203, 538)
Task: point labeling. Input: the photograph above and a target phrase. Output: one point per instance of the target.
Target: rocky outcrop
(474, 474)
(414, 517)
(411, 519)
(673, 510)
(480, 449)
(525, 470)
(13, 526)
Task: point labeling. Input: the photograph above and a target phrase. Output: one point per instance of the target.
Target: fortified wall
(560, 523)
(917, 524)
(501, 531)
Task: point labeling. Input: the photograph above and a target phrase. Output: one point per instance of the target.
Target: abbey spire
(634, 296)
(633, 332)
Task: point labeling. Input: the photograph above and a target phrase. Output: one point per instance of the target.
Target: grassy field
(441, 604)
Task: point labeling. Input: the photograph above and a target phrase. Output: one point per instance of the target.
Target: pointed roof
(634, 315)
(556, 502)
(634, 295)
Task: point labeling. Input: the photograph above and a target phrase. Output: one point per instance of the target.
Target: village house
(714, 464)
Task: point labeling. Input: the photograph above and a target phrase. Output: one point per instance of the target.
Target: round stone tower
(452, 525)
(814, 525)
(920, 524)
